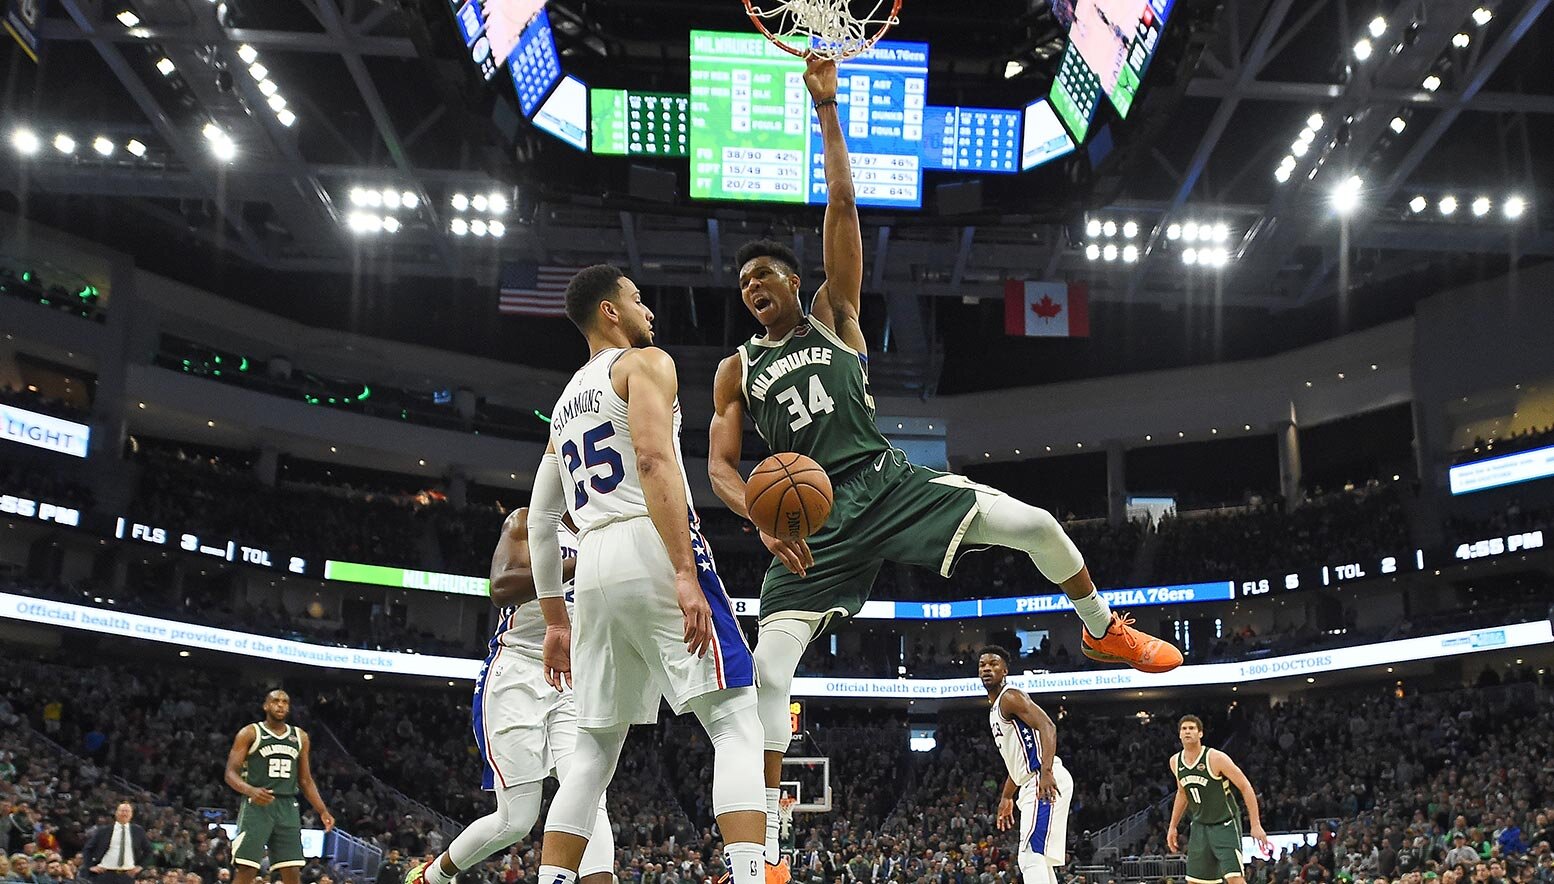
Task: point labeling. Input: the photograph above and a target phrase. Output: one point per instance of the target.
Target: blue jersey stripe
(1028, 740)
(738, 664)
(1043, 826)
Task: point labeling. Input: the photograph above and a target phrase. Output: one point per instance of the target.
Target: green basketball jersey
(273, 761)
(1210, 800)
(809, 393)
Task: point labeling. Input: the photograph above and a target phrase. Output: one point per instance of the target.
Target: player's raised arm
(1016, 704)
(306, 784)
(234, 775)
(1221, 765)
(512, 579)
(648, 374)
(838, 301)
(1178, 809)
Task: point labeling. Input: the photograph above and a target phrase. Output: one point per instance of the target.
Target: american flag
(533, 290)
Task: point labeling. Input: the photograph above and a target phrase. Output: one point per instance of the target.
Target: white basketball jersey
(589, 430)
(522, 627)
(1018, 743)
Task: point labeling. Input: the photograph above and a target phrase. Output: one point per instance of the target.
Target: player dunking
(653, 619)
(1204, 778)
(1037, 783)
(526, 730)
(805, 385)
(268, 766)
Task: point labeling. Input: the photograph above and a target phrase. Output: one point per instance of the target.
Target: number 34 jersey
(809, 392)
(592, 438)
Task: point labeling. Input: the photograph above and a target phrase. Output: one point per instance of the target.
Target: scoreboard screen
(972, 139)
(627, 122)
(565, 113)
(1076, 92)
(534, 64)
(754, 135)
(469, 17)
(1146, 39)
(505, 22)
(1044, 138)
(1103, 32)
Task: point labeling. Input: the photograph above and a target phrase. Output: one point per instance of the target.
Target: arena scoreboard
(972, 139)
(754, 135)
(1076, 93)
(1044, 138)
(534, 65)
(1146, 39)
(565, 113)
(628, 122)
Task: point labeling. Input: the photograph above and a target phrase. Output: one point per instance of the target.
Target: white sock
(556, 875)
(435, 874)
(743, 859)
(1096, 614)
(773, 826)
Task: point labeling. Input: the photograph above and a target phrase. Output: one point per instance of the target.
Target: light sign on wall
(42, 431)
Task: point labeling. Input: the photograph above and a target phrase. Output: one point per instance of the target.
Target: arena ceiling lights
(486, 209)
(26, 142)
(261, 74)
(377, 210)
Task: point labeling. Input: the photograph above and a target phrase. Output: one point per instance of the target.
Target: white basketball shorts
(628, 642)
(520, 722)
(1043, 826)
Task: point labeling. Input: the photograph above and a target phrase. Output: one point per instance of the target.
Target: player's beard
(642, 337)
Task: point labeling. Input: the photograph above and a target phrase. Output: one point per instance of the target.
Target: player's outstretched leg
(517, 808)
(575, 810)
(1107, 637)
(734, 729)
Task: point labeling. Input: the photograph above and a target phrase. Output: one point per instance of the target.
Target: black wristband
(824, 102)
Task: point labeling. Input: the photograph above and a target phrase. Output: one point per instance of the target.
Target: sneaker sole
(1100, 656)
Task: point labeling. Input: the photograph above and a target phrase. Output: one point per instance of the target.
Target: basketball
(788, 496)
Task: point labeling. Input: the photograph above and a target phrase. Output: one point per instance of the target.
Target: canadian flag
(1046, 309)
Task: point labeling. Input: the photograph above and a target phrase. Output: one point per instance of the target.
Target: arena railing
(444, 823)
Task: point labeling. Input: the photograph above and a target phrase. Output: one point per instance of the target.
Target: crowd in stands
(1521, 440)
(32, 400)
(33, 478)
(51, 290)
(1338, 526)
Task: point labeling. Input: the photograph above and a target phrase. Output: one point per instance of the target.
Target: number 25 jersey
(808, 392)
(592, 438)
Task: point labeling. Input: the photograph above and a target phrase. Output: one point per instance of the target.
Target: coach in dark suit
(115, 852)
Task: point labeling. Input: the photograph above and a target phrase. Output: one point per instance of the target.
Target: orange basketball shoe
(775, 874)
(1124, 644)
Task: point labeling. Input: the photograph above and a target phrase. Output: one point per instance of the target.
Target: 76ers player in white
(653, 620)
(524, 728)
(1028, 741)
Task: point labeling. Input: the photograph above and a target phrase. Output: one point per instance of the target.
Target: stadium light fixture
(128, 19)
(496, 229)
(1417, 204)
(477, 227)
(103, 146)
(258, 71)
(391, 224)
(1378, 26)
(459, 201)
(287, 118)
(1447, 205)
(1398, 124)
(1282, 174)
(1130, 253)
(1109, 253)
(1130, 229)
(478, 202)
(1299, 148)
(1013, 69)
(247, 53)
(165, 67)
(1314, 122)
(358, 196)
(1346, 194)
(268, 88)
(1514, 207)
(221, 145)
(1174, 232)
(1190, 231)
(409, 200)
(1461, 39)
(364, 222)
(1093, 228)
(1221, 232)
(135, 148)
(1093, 252)
(1109, 228)
(1306, 136)
(458, 226)
(372, 198)
(1482, 16)
(64, 143)
(1363, 49)
(391, 198)
(1189, 256)
(25, 141)
(496, 203)
(1431, 83)
(277, 103)
(1480, 206)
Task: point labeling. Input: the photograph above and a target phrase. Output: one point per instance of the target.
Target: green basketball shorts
(890, 511)
(1214, 852)
(276, 826)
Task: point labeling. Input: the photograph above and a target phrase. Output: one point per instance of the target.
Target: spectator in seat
(393, 869)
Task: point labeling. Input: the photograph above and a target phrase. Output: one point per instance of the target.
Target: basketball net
(785, 808)
(830, 28)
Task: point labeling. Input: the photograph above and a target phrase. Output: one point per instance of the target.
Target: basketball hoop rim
(890, 21)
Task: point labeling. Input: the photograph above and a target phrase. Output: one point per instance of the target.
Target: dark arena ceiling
(1449, 102)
